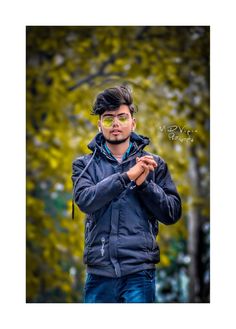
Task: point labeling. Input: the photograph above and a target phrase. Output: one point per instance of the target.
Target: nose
(115, 122)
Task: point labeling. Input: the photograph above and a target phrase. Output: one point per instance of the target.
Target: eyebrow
(111, 115)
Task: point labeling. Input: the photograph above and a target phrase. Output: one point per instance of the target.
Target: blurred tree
(168, 70)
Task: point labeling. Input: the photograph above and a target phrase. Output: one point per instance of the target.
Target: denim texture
(137, 287)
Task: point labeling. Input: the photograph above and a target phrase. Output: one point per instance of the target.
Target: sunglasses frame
(113, 117)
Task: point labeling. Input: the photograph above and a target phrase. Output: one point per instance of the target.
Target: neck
(118, 149)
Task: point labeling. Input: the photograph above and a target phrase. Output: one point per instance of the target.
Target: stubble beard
(116, 141)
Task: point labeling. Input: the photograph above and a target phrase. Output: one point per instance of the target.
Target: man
(124, 192)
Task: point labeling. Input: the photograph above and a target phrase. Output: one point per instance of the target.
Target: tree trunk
(194, 229)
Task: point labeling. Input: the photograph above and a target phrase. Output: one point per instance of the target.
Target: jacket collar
(137, 140)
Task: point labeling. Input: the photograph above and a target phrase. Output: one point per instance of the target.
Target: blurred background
(167, 69)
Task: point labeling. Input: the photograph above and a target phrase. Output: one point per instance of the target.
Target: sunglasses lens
(107, 122)
(123, 120)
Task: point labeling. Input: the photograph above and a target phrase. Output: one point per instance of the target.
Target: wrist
(125, 178)
(130, 175)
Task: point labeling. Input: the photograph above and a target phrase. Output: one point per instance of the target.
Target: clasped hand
(140, 171)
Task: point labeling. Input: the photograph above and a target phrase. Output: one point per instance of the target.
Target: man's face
(117, 125)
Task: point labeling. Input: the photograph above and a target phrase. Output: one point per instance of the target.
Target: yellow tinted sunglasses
(108, 120)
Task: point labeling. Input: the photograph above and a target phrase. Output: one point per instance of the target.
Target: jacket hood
(99, 140)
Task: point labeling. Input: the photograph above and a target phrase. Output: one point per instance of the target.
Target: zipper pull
(103, 243)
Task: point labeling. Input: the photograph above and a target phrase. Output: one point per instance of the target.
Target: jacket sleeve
(160, 196)
(89, 196)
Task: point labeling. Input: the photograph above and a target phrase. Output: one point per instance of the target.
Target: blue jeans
(138, 287)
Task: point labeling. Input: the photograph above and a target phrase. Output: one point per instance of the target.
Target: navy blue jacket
(121, 218)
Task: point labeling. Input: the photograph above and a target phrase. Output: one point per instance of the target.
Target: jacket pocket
(90, 223)
(148, 241)
(97, 253)
(88, 228)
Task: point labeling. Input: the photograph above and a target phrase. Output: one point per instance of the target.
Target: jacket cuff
(125, 178)
(142, 186)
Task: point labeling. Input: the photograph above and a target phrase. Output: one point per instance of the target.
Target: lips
(115, 132)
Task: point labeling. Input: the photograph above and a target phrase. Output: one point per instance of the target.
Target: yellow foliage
(66, 69)
(164, 261)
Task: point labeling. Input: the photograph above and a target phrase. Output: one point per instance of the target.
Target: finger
(147, 170)
(144, 165)
(147, 164)
(149, 161)
(152, 162)
(151, 168)
(147, 156)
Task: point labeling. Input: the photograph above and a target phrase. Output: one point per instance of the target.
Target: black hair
(112, 98)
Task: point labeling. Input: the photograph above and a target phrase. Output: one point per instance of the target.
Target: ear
(99, 126)
(133, 124)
